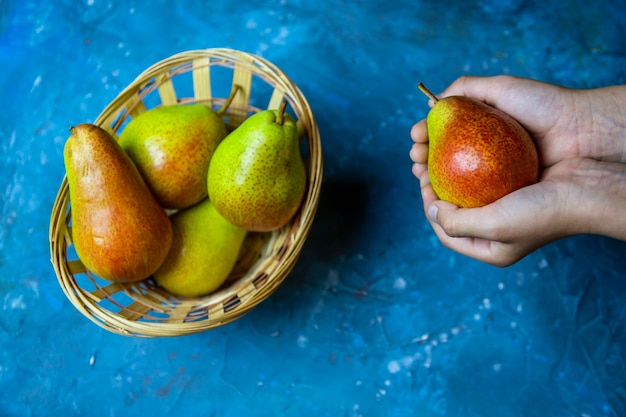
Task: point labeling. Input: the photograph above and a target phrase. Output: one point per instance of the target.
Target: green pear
(172, 147)
(476, 153)
(119, 231)
(203, 252)
(257, 177)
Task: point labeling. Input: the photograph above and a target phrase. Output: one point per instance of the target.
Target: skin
(581, 141)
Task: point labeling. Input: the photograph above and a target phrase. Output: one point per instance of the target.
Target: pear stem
(281, 113)
(428, 93)
(229, 100)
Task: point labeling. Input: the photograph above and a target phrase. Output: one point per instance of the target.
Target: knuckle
(450, 226)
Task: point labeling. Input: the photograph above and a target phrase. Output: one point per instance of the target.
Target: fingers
(503, 232)
(419, 152)
(419, 133)
(476, 87)
(447, 222)
(490, 90)
(535, 104)
(482, 222)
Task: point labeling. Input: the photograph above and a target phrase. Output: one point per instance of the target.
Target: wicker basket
(144, 309)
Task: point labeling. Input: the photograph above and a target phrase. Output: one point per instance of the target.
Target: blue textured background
(377, 318)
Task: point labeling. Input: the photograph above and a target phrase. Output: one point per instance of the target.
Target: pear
(257, 177)
(203, 253)
(119, 231)
(477, 153)
(172, 147)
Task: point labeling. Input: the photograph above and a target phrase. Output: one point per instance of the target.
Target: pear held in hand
(257, 177)
(477, 153)
(119, 230)
(203, 253)
(172, 147)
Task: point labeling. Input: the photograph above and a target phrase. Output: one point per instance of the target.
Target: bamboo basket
(144, 309)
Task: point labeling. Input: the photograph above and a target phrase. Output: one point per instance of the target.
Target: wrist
(597, 199)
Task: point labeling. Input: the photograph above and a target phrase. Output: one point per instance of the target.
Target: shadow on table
(339, 220)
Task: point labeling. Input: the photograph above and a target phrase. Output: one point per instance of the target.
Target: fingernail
(432, 212)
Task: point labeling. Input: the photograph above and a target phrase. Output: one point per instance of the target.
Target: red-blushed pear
(476, 153)
(119, 231)
(172, 147)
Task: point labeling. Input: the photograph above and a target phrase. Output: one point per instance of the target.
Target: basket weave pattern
(144, 309)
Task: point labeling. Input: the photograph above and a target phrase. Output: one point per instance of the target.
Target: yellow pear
(203, 252)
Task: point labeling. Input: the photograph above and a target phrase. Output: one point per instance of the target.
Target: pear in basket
(257, 177)
(172, 147)
(119, 231)
(203, 253)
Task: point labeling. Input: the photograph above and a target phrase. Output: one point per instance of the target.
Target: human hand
(581, 143)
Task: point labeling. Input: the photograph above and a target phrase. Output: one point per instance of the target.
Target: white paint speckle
(422, 338)
(543, 263)
(399, 284)
(36, 83)
(16, 303)
(302, 341)
(283, 34)
(407, 361)
(393, 367)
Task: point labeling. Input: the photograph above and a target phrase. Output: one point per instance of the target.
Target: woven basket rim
(239, 297)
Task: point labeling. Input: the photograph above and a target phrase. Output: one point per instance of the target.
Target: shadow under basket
(144, 309)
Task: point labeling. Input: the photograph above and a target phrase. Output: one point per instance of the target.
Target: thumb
(464, 222)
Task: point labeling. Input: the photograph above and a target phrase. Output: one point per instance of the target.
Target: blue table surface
(377, 318)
